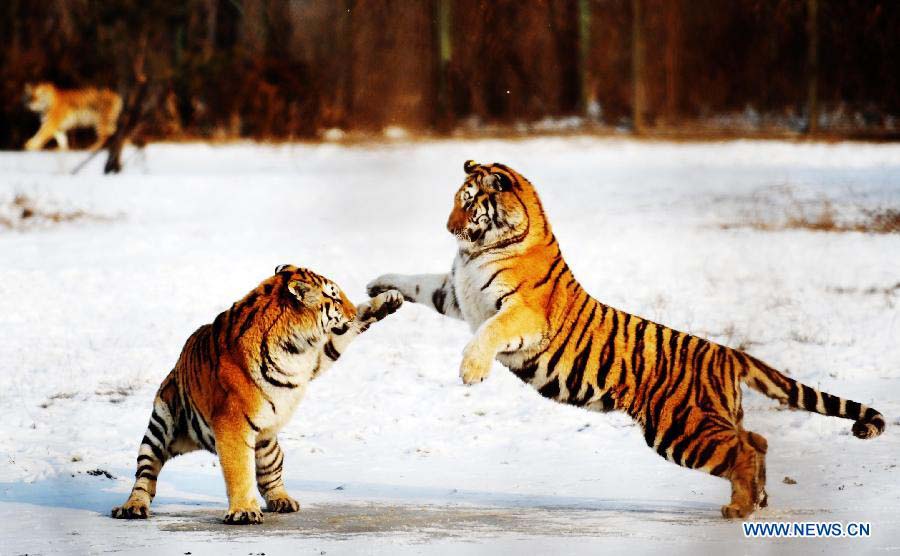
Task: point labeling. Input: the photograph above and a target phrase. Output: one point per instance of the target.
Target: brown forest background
(279, 69)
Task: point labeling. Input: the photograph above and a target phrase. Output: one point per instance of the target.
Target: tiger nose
(456, 221)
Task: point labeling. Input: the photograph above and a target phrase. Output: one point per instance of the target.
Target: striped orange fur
(239, 380)
(62, 110)
(510, 283)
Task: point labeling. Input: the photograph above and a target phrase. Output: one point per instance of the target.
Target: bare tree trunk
(442, 33)
(637, 65)
(673, 47)
(128, 120)
(130, 115)
(812, 61)
(209, 44)
(588, 99)
(349, 58)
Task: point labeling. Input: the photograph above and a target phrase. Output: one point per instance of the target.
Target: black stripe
(491, 279)
(587, 323)
(684, 442)
(156, 451)
(606, 401)
(871, 415)
(157, 434)
(437, 299)
(675, 430)
(141, 468)
(556, 282)
(290, 347)
(264, 371)
(810, 399)
(699, 459)
(832, 404)
(248, 322)
(544, 280)
(608, 353)
(500, 299)
(330, 351)
(551, 389)
(576, 374)
(852, 410)
(726, 463)
(251, 423)
(526, 373)
(155, 417)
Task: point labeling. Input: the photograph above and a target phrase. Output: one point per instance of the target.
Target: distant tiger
(238, 381)
(510, 283)
(62, 110)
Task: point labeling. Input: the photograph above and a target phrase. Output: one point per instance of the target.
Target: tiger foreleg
(43, 135)
(513, 327)
(62, 142)
(236, 447)
(367, 313)
(269, 479)
(433, 290)
(376, 309)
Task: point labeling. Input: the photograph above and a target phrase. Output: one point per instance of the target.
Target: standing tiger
(509, 282)
(239, 379)
(62, 110)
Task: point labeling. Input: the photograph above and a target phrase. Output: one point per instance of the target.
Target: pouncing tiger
(510, 283)
(238, 381)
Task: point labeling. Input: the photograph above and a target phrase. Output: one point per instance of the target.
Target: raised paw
(133, 509)
(473, 371)
(283, 505)
(384, 283)
(243, 516)
(382, 305)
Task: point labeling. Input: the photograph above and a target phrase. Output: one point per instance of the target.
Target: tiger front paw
(381, 305)
(473, 370)
(249, 515)
(387, 282)
(132, 509)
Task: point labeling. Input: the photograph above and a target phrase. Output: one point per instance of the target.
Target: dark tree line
(290, 69)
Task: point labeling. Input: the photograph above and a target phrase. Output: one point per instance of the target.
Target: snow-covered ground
(389, 453)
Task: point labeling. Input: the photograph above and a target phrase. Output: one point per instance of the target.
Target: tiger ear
(304, 293)
(499, 182)
(280, 268)
(469, 166)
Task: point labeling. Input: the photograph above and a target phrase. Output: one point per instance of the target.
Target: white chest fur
(295, 369)
(476, 304)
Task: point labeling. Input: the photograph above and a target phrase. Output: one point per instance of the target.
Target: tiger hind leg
(156, 448)
(269, 480)
(747, 473)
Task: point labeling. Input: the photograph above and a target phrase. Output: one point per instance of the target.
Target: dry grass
(820, 215)
(23, 212)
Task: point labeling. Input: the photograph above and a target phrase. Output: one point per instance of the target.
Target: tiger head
(39, 97)
(314, 303)
(495, 206)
